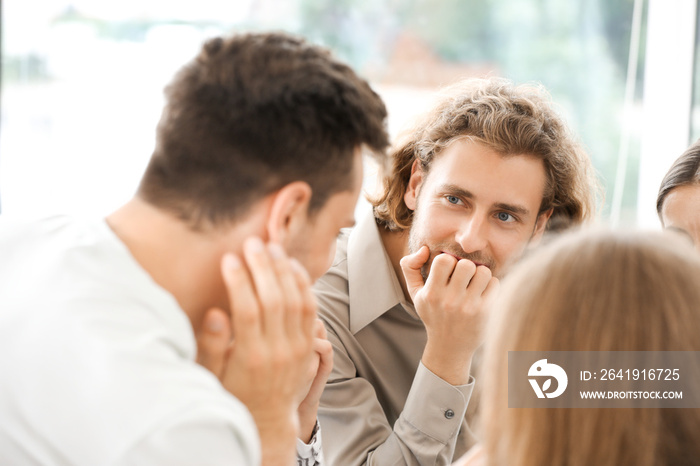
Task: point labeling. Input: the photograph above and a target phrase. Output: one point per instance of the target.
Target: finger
(325, 366)
(325, 350)
(213, 341)
(464, 271)
(293, 301)
(311, 373)
(308, 314)
(440, 271)
(492, 289)
(480, 280)
(411, 266)
(267, 288)
(320, 330)
(246, 321)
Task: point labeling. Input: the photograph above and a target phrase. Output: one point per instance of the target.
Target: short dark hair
(684, 171)
(252, 113)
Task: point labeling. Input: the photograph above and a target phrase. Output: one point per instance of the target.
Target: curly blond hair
(510, 120)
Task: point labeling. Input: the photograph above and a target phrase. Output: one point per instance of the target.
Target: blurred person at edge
(478, 180)
(678, 201)
(592, 291)
(257, 167)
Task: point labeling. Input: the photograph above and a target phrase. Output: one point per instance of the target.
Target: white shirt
(97, 361)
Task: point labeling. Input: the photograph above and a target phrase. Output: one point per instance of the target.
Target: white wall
(667, 97)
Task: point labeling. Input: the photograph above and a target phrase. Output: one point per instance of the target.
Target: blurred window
(82, 79)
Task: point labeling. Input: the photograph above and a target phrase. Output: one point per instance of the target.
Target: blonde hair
(593, 291)
(511, 120)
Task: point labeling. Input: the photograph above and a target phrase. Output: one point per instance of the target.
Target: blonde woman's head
(594, 291)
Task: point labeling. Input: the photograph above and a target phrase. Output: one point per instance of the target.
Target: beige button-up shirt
(381, 406)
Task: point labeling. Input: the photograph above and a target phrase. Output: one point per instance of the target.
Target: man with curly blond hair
(478, 180)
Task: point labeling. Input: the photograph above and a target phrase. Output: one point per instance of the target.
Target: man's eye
(505, 217)
(452, 199)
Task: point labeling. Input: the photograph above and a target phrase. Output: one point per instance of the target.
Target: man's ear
(289, 211)
(540, 226)
(410, 197)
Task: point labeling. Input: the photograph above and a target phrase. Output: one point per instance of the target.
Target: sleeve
(199, 436)
(311, 454)
(357, 431)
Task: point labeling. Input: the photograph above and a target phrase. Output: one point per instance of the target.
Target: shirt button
(449, 414)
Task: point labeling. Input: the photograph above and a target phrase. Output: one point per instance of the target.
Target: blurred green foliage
(577, 49)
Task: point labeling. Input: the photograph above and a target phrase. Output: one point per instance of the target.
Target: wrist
(307, 434)
(278, 424)
(451, 367)
(277, 439)
(307, 421)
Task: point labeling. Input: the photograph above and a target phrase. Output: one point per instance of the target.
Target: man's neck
(396, 246)
(182, 261)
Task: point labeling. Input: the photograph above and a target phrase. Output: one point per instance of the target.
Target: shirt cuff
(310, 454)
(435, 407)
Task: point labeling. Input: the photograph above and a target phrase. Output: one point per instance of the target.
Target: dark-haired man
(479, 179)
(256, 168)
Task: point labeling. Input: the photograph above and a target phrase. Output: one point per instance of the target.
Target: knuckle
(444, 260)
(300, 351)
(293, 305)
(248, 318)
(429, 296)
(325, 347)
(470, 266)
(280, 358)
(309, 306)
(274, 302)
(466, 267)
(256, 359)
(451, 306)
(483, 271)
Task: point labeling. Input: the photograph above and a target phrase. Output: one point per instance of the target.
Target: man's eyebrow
(456, 190)
(461, 192)
(516, 209)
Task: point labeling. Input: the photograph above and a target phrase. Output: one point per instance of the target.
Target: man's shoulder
(117, 395)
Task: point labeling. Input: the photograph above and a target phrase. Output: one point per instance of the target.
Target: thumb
(411, 266)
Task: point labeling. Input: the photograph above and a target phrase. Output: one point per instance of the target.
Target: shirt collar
(373, 285)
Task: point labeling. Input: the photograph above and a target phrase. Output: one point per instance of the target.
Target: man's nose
(473, 233)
